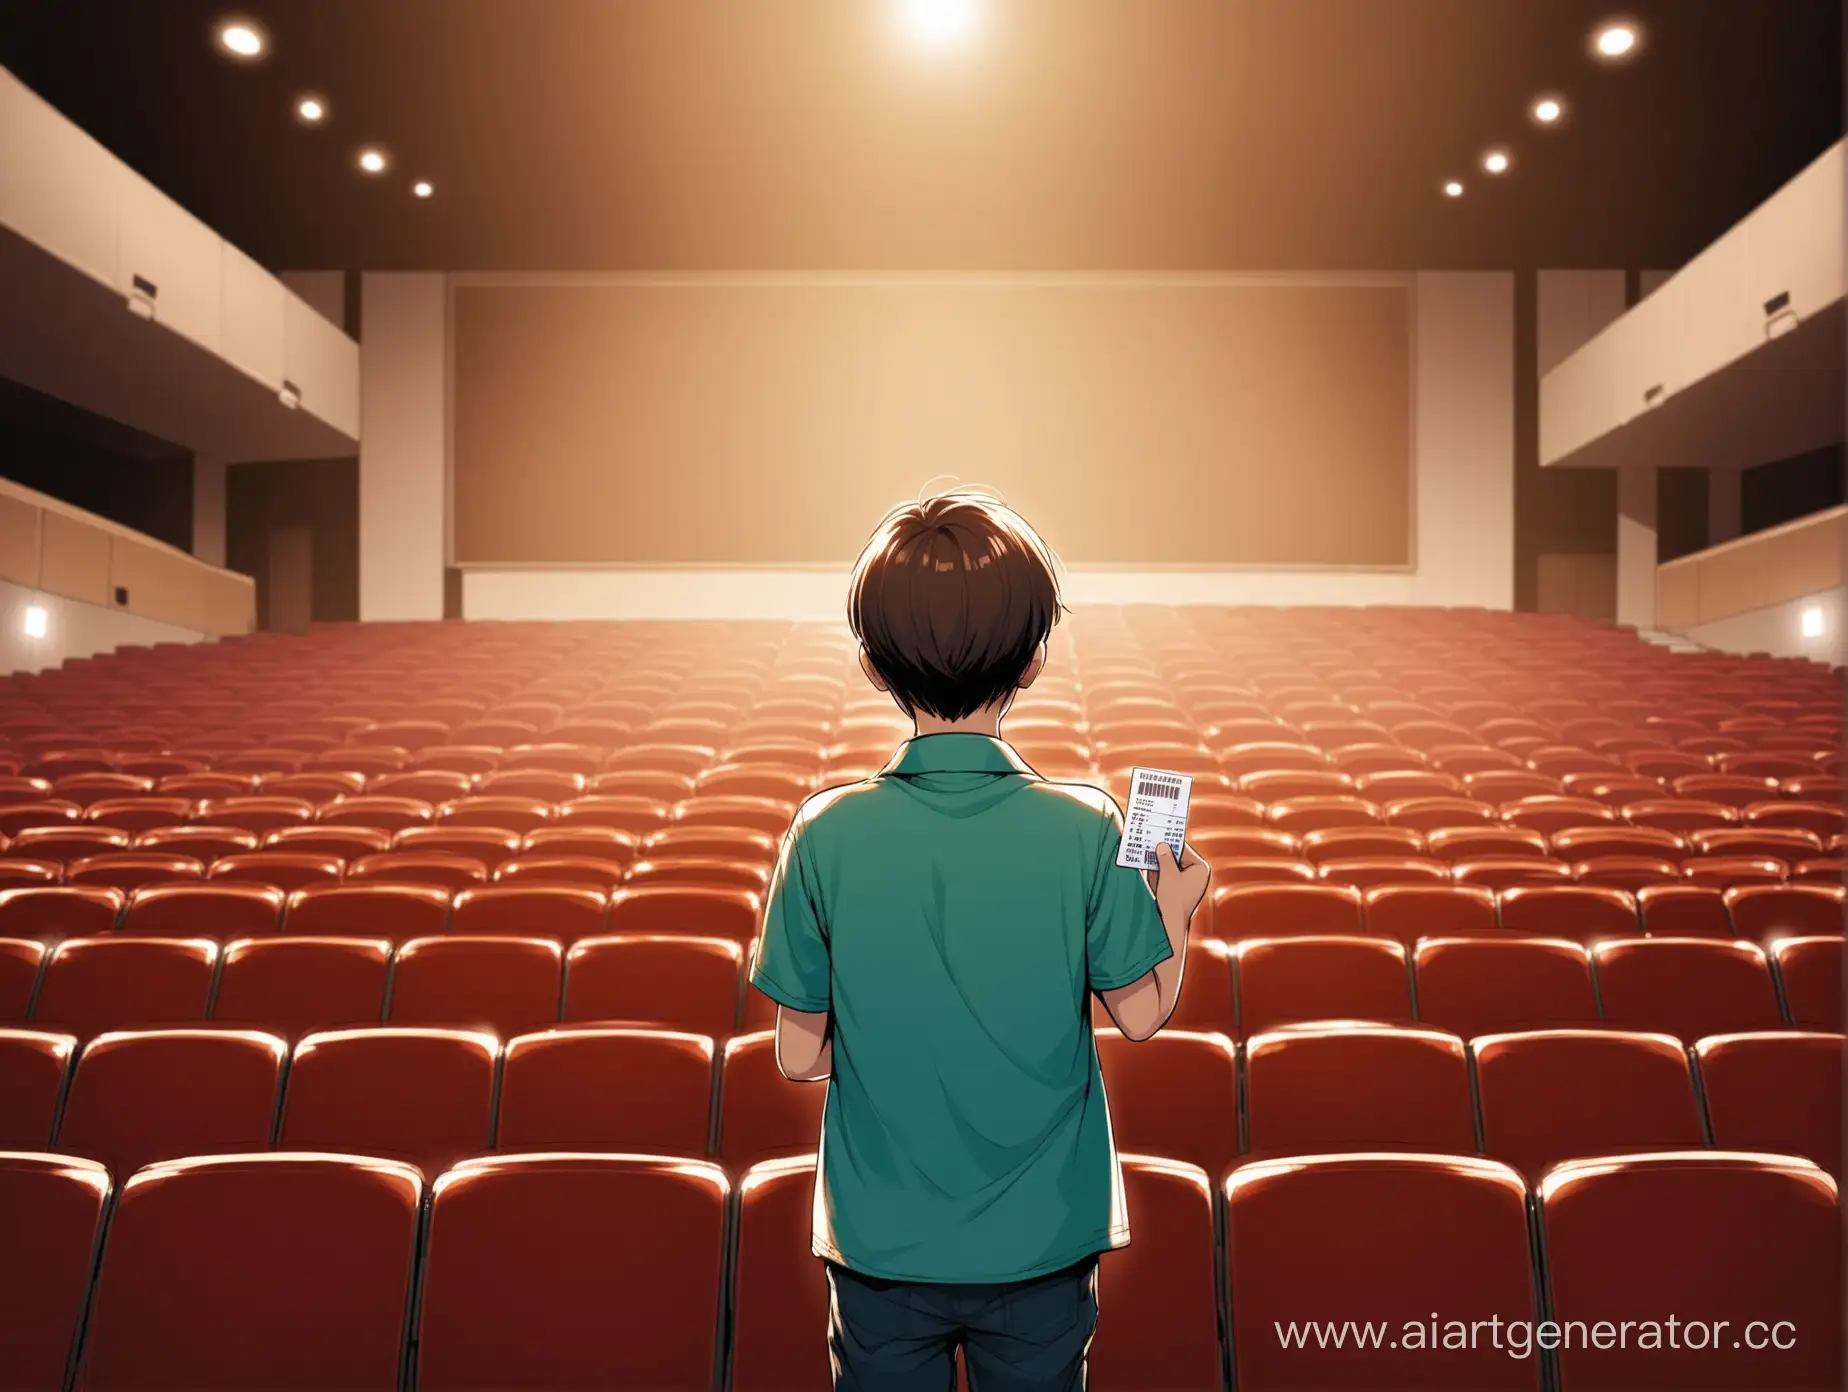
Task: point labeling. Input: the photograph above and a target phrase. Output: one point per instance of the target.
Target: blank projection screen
(1135, 423)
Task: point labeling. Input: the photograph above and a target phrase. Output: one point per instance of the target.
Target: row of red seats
(310, 1271)
(430, 1096)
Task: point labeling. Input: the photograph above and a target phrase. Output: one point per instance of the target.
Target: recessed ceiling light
(1618, 38)
(1496, 161)
(1548, 110)
(241, 38)
(372, 161)
(1453, 189)
(313, 110)
(939, 23)
(423, 188)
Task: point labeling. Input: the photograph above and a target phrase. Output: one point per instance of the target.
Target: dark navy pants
(1020, 1336)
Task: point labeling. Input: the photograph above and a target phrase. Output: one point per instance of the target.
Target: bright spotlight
(940, 23)
(1812, 621)
(1453, 189)
(372, 161)
(1548, 110)
(37, 621)
(1496, 161)
(241, 39)
(423, 188)
(1617, 39)
(313, 110)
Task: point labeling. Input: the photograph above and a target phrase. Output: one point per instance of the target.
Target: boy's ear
(872, 673)
(1034, 668)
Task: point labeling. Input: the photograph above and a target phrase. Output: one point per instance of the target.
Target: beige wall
(1755, 573)
(1463, 481)
(1138, 420)
(72, 629)
(403, 507)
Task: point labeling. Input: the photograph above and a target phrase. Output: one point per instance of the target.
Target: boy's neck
(986, 721)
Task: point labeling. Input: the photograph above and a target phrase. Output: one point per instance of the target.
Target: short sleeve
(1123, 933)
(792, 957)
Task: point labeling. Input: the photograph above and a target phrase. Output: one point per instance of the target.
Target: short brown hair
(951, 598)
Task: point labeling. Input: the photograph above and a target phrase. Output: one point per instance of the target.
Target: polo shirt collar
(955, 754)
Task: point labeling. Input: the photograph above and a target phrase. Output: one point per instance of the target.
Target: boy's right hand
(1178, 888)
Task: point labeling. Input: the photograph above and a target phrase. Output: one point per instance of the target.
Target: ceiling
(1066, 135)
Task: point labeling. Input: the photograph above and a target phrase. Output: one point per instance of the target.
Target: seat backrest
(1687, 987)
(1582, 913)
(221, 911)
(1175, 1095)
(1162, 1329)
(607, 1088)
(1282, 981)
(396, 913)
(1395, 1236)
(1765, 913)
(54, 1208)
(1411, 912)
(34, 1065)
(217, 1092)
(60, 911)
(695, 910)
(21, 960)
(1559, 1094)
(1779, 1092)
(93, 985)
(505, 985)
(424, 1096)
(1284, 909)
(1336, 1087)
(672, 982)
(1739, 1238)
(291, 986)
(565, 913)
(531, 1274)
(1811, 970)
(762, 1114)
(1474, 986)
(1683, 911)
(303, 1261)
(779, 1292)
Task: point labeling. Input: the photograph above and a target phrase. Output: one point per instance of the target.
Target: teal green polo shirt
(954, 913)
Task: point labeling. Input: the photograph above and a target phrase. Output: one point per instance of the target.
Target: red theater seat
(602, 875)
(768, 815)
(94, 985)
(1396, 1237)
(520, 814)
(286, 870)
(139, 813)
(1582, 913)
(1766, 913)
(207, 843)
(1410, 912)
(1346, 843)
(397, 913)
(20, 962)
(33, 1067)
(668, 980)
(1597, 842)
(388, 813)
(530, 1275)
(1284, 909)
(1736, 1237)
(59, 843)
(1556, 814)
(1221, 846)
(739, 843)
(779, 1291)
(717, 871)
(222, 911)
(696, 910)
(1367, 872)
(645, 1092)
(297, 1276)
(28, 874)
(1510, 872)
(439, 868)
(423, 785)
(1174, 1095)
(1732, 789)
(53, 1209)
(1680, 815)
(761, 1113)
(216, 1089)
(1687, 987)
(64, 911)
(292, 986)
(259, 814)
(1722, 872)
(562, 912)
(1559, 1094)
(1811, 970)
(1758, 842)
(344, 843)
(424, 1096)
(630, 812)
(501, 984)
(1683, 911)
(489, 845)
(590, 842)
(1345, 1086)
(1779, 1093)
(128, 870)
(1282, 981)
(1431, 814)
(1474, 986)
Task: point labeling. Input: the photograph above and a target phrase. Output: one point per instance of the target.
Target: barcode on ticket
(1159, 787)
